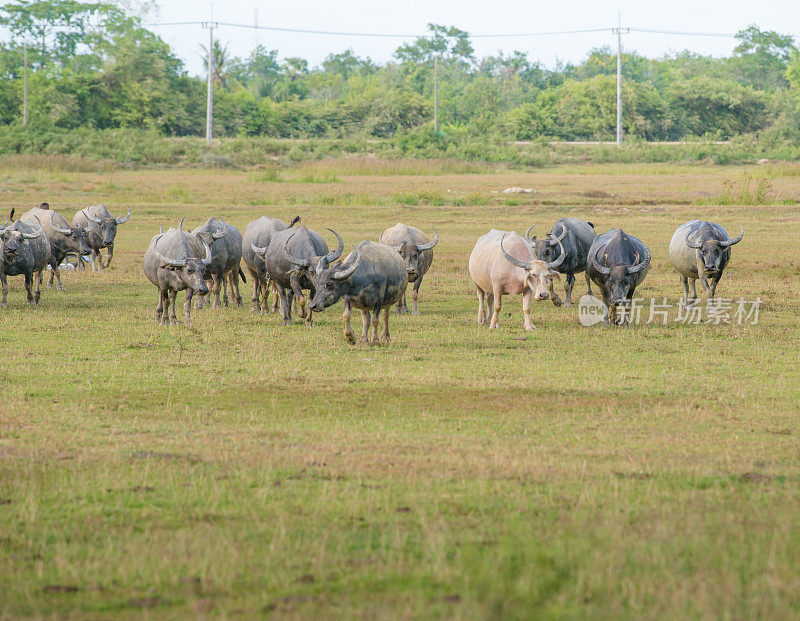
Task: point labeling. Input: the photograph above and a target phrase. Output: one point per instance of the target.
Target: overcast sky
(485, 17)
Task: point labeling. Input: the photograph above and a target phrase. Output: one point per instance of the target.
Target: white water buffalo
(701, 250)
(24, 249)
(575, 237)
(259, 233)
(103, 233)
(294, 257)
(417, 252)
(503, 263)
(371, 278)
(176, 261)
(618, 263)
(63, 238)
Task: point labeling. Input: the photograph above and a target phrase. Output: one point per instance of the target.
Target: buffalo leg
(685, 283)
(608, 309)
(402, 307)
(376, 319)
(294, 282)
(694, 290)
(233, 281)
(165, 309)
(385, 336)
(497, 304)
(172, 317)
(309, 314)
(348, 330)
(187, 306)
(414, 296)
(4, 303)
(365, 321)
(714, 283)
(286, 307)
(160, 308)
(704, 282)
(481, 309)
(29, 287)
(588, 281)
(275, 290)
(59, 285)
(553, 295)
(215, 301)
(568, 285)
(489, 307)
(256, 300)
(38, 295)
(224, 280)
(526, 309)
(110, 256)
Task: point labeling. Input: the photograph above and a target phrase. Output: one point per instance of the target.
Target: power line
(686, 33)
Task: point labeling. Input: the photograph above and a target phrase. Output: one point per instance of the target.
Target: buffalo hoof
(494, 326)
(416, 313)
(556, 301)
(3, 305)
(568, 304)
(286, 322)
(351, 338)
(531, 327)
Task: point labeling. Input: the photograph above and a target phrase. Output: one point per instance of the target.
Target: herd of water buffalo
(289, 259)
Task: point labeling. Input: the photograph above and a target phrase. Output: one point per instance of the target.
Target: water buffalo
(258, 233)
(371, 278)
(575, 237)
(701, 249)
(496, 272)
(417, 252)
(294, 257)
(104, 230)
(175, 261)
(24, 249)
(63, 238)
(617, 263)
(214, 233)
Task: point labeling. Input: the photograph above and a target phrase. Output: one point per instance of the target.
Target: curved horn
(554, 264)
(257, 250)
(208, 257)
(167, 260)
(695, 245)
(527, 234)
(161, 229)
(335, 254)
(34, 235)
(733, 241)
(126, 218)
(180, 224)
(600, 268)
(380, 238)
(290, 258)
(90, 217)
(2, 226)
(641, 264)
(526, 265)
(558, 240)
(429, 245)
(341, 274)
(68, 232)
(220, 234)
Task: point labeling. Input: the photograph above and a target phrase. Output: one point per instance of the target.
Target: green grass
(236, 468)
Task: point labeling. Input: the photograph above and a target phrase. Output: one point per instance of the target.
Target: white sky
(497, 16)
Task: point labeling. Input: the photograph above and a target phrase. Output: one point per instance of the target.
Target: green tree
(761, 57)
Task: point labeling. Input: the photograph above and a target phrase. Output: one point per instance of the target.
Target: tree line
(95, 65)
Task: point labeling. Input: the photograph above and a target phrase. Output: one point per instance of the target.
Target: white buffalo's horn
(528, 233)
(68, 232)
(526, 265)
(341, 274)
(735, 240)
(126, 218)
(429, 245)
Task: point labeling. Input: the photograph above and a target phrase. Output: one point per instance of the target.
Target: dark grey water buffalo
(701, 250)
(214, 233)
(371, 278)
(575, 237)
(501, 263)
(176, 261)
(24, 249)
(417, 252)
(63, 238)
(103, 233)
(259, 233)
(617, 263)
(294, 257)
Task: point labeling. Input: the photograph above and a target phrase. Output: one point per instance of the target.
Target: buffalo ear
(555, 274)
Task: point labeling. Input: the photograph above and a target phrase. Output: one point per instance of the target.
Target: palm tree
(221, 59)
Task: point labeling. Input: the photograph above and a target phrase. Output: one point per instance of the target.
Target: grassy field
(236, 468)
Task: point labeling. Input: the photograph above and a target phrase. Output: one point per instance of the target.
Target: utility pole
(25, 89)
(436, 94)
(210, 94)
(619, 31)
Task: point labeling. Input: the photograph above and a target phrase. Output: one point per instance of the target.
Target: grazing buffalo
(294, 257)
(617, 263)
(371, 278)
(417, 252)
(214, 233)
(259, 233)
(63, 238)
(575, 237)
(24, 249)
(501, 263)
(701, 249)
(104, 230)
(176, 261)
